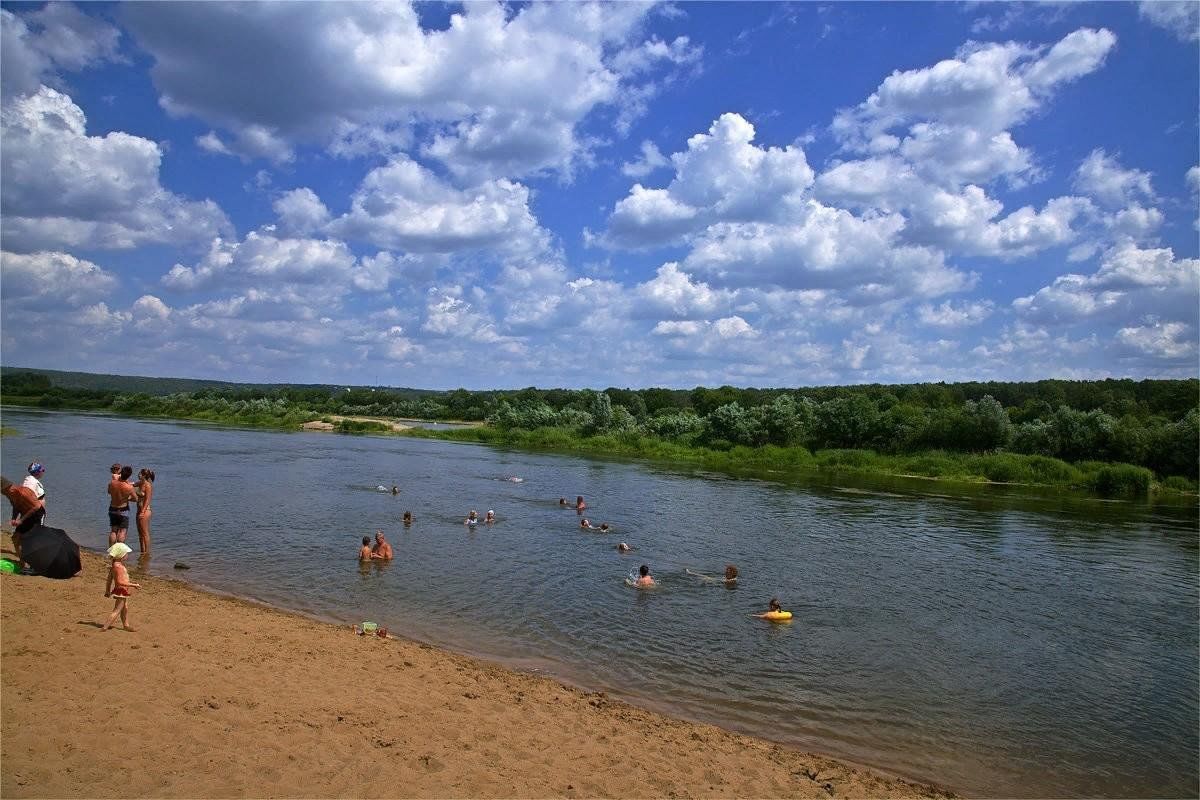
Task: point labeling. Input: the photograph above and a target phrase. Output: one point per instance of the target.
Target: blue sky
(590, 195)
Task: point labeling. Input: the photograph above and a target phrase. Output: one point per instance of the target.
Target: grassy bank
(1102, 478)
(1105, 479)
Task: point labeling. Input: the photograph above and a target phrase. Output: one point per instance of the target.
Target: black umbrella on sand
(50, 552)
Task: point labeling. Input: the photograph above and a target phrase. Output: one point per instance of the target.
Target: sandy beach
(217, 697)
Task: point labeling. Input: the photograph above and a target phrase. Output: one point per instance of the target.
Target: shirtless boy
(364, 552)
(120, 492)
(383, 550)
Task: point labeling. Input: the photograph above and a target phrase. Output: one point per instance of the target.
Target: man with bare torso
(120, 492)
(382, 550)
(28, 510)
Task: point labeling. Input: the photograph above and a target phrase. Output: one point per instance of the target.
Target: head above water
(366, 541)
(126, 471)
(643, 570)
(36, 469)
(731, 572)
(115, 469)
(379, 536)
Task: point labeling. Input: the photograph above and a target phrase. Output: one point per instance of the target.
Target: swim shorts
(118, 517)
(120, 591)
(30, 522)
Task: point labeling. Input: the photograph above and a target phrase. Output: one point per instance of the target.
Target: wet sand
(217, 697)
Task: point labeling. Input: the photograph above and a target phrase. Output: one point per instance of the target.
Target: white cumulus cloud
(505, 89)
(404, 206)
(64, 188)
(722, 176)
(1102, 177)
(48, 279)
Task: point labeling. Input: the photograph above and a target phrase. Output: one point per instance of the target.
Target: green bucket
(11, 567)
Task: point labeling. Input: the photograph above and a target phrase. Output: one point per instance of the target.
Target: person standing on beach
(33, 483)
(145, 493)
(27, 511)
(118, 585)
(120, 492)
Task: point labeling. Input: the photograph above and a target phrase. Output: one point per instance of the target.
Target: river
(998, 642)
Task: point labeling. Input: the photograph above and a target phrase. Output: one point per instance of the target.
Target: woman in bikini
(145, 493)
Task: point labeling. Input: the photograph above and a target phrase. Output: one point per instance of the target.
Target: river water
(997, 642)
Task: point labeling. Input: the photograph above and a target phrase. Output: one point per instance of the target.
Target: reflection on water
(1002, 641)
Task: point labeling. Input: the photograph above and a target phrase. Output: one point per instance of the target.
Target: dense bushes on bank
(1111, 436)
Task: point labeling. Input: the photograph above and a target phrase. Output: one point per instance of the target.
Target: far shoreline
(464, 432)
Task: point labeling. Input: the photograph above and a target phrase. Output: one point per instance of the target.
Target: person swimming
(729, 579)
(773, 607)
(408, 518)
(623, 548)
(472, 518)
(645, 580)
(490, 517)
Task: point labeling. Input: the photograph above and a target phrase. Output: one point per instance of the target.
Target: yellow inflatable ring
(777, 616)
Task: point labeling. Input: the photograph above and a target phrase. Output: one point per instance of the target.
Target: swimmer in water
(623, 548)
(364, 552)
(562, 501)
(731, 574)
(644, 580)
(408, 518)
(472, 518)
(395, 489)
(382, 550)
(579, 504)
(583, 523)
(490, 517)
(772, 607)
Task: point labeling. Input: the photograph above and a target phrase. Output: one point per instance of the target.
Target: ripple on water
(1000, 643)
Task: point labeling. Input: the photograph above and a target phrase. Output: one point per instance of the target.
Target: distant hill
(129, 384)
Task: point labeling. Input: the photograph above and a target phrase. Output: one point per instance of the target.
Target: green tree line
(1153, 425)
